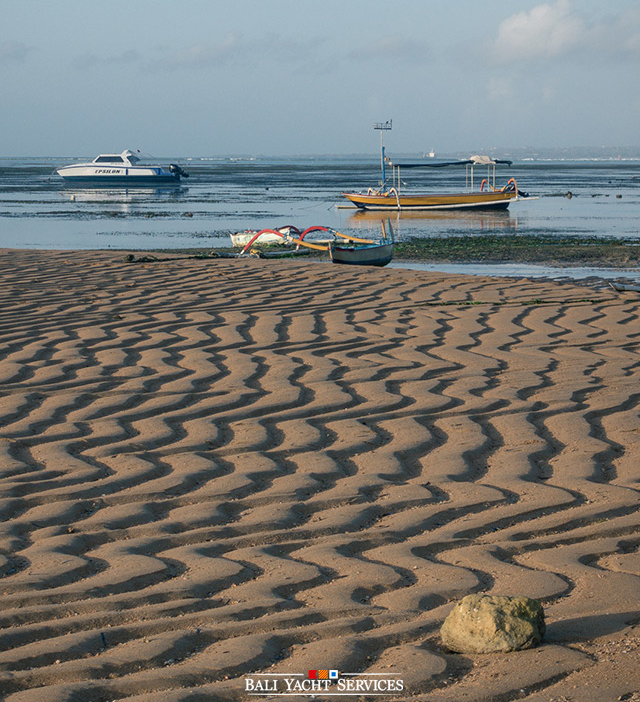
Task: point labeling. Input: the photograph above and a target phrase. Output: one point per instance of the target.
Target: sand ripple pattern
(214, 468)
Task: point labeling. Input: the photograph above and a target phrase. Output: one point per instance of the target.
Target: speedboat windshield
(126, 157)
(108, 158)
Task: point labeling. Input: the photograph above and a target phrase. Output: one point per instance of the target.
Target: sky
(305, 77)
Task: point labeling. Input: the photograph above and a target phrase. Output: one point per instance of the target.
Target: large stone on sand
(493, 624)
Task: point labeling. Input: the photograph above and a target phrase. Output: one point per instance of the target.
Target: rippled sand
(215, 468)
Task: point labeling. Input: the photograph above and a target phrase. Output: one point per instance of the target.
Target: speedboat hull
(116, 176)
(453, 201)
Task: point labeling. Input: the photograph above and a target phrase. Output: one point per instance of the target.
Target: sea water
(587, 197)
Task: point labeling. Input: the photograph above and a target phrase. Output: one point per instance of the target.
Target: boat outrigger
(388, 195)
(342, 248)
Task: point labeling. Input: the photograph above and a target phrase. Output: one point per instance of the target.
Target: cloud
(235, 50)
(547, 31)
(553, 30)
(88, 60)
(618, 36)
(292, 50)
(390, 48)
(231, 49)
(311, 55)
(11, 51)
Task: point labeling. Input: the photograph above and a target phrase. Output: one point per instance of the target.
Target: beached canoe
(377, 254)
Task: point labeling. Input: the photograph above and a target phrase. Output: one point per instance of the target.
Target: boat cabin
(126, 158)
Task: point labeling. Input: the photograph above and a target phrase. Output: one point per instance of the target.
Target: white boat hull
(117, 175)
(266, 237)
(243, 238)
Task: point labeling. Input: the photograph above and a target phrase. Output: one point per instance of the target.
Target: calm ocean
(224, 195)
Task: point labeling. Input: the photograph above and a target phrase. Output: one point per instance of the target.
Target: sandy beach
(216, 469)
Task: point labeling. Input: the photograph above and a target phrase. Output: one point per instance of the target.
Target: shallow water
(225, 195)
(524, 270)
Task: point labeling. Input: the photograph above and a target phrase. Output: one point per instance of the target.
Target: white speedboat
(120, 169)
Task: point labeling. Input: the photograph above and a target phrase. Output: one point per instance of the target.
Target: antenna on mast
(383, 127)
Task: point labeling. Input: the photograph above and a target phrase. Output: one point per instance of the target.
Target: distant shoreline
(609, 152)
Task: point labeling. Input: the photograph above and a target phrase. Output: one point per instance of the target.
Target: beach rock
(493, 624)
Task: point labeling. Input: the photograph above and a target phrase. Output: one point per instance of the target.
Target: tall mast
(382, 127)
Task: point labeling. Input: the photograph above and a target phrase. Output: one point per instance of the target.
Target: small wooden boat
(374, 253)
(378, 254)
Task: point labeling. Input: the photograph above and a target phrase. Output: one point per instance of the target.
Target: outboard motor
(177, 171)
(511, 186)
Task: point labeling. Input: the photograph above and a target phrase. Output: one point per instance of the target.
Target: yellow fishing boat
(388, 196)
(393, 200)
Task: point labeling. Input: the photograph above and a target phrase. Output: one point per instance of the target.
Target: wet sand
(216, 468)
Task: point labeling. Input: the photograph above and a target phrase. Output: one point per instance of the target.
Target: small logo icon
(324, 675)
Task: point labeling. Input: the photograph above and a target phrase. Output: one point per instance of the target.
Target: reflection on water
(469, 220)
(96, 194)
(121, 200)
(520, 270)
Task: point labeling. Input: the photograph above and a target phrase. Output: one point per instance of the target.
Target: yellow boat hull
(454, 201)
